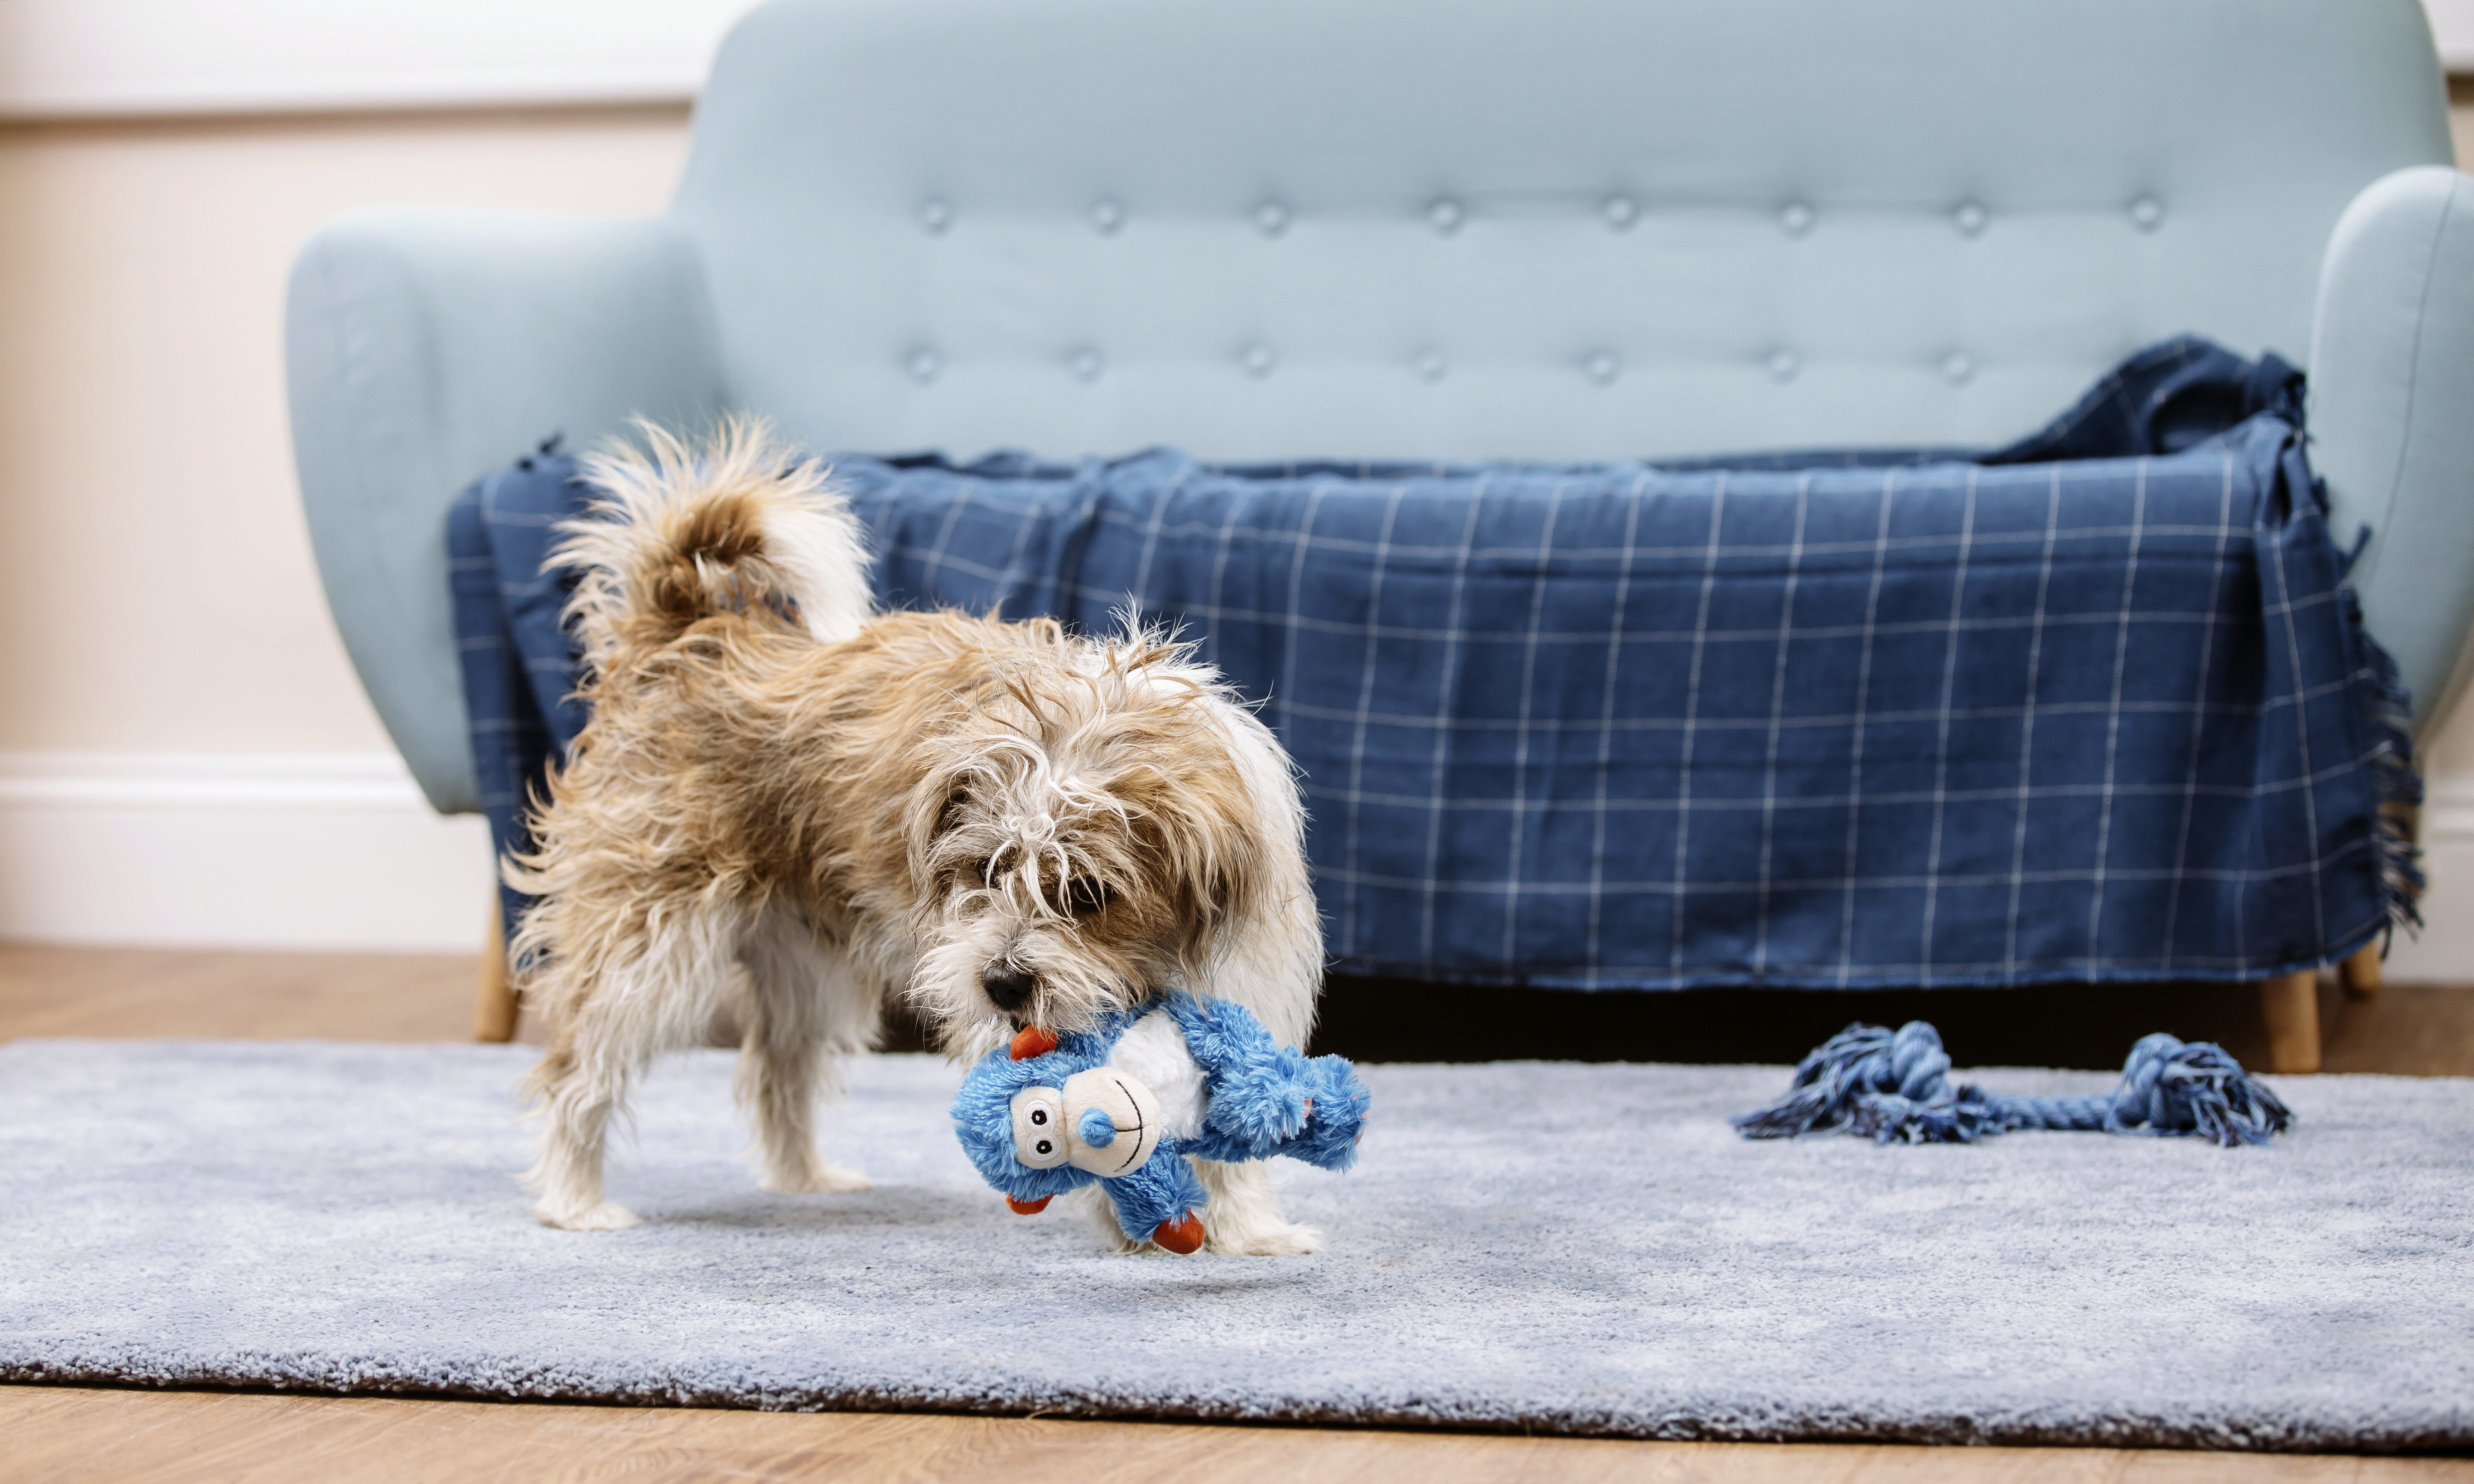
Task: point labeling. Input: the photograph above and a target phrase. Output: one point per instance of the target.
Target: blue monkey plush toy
(1125, 1105)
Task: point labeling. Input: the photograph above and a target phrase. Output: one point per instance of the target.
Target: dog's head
(1083, 834)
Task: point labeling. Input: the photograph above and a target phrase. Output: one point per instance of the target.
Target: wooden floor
(136, 1437)
(65, 1433)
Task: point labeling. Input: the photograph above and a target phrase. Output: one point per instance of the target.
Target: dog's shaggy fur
(785, 807)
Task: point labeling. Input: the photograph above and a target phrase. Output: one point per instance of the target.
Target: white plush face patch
(1113, 1121)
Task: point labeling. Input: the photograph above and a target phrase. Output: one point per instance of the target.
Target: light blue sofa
(1467, 229)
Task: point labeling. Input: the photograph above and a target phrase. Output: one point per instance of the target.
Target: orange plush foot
(1031, 1041)
(1181, 1237)
(1027, 1207)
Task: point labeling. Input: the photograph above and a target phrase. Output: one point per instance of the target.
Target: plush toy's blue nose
(1096, 1129)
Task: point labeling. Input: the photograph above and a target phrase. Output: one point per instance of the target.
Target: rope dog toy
(1895, 1086)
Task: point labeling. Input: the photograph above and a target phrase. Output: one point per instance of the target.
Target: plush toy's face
(1102, 1120)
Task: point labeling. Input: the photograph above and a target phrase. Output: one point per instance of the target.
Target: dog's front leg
(1271, 962)
(804, 1007)
(1243, 1215)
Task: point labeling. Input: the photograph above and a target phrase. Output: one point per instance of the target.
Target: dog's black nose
(1008, 986)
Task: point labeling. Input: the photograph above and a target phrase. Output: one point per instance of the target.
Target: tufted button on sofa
(1432, 229)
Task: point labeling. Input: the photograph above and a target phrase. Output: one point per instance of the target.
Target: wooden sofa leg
(494, 1001)
(2363, 971)
(2292, 1005)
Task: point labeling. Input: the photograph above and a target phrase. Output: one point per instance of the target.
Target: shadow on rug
(1584, 1248)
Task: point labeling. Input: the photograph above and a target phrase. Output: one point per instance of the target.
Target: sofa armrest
(425, 347)
(2392, 418)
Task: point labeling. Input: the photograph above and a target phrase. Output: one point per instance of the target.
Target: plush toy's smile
(1113, 1121)
(1098, 1130)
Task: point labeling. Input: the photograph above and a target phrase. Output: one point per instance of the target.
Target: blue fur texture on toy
(1203, 1078)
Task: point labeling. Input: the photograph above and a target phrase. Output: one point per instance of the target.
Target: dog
(787, 806)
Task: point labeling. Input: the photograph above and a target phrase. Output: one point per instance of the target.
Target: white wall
(125, 58)
(184, 755)
(170, 685)
(2452, 26)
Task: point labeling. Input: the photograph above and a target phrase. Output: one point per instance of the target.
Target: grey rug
(1556, 1248)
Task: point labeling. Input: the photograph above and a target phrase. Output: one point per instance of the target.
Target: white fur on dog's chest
(1153, 1052)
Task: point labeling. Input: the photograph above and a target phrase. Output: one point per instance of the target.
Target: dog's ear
(1211, 838)
(936, 804)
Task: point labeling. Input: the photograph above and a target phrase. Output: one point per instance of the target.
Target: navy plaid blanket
(2096, 707)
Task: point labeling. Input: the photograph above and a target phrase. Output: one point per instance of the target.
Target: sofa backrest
(1565, 228)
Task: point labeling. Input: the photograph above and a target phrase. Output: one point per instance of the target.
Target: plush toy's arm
(1267, 1098)
(1326, 1136)
(1259, 1089)
(1263, 1106)
(1339, 1119)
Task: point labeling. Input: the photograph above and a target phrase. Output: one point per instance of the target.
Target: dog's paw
(1266, 1239)
(818, 1178)
(600, 1217)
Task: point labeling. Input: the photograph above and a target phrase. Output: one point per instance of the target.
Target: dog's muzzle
(1008, 988)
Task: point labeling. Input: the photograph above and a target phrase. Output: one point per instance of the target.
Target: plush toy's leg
(1183, 1232)
(1158, 1203)
(804, 1005)
(1244, 1215)
(1182, 1236)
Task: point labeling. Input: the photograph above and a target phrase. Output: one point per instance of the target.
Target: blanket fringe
(2387, 709)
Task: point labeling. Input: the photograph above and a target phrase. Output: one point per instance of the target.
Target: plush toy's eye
(1038, 1136)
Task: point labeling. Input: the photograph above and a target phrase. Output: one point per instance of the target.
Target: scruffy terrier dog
(787, 806)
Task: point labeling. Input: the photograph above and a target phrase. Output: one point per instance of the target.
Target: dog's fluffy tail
(679, 534)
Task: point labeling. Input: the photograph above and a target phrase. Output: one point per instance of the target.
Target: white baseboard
(280, 850)
(322, 851)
